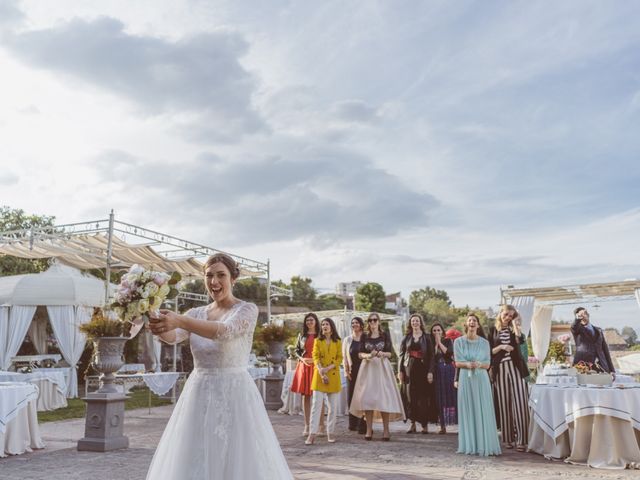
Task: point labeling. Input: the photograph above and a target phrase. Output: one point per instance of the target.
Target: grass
(138, 398)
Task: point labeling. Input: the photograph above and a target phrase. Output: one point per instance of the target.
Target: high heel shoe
(412, 428)
(386, 439)
(322, 431)
(368, 437)
(305, 432)
(310, 439)
(331, 439)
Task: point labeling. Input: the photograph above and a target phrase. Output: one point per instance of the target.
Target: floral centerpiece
(592, 374)
(141, 292)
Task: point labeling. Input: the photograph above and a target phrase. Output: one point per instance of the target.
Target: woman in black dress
(415, 366)
(445, 372)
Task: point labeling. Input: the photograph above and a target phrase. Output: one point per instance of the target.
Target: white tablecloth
(159, 382)
(557, 379)
(292, 402)
(51, 385)
(19, 431)
(66, 372)
(564, 419)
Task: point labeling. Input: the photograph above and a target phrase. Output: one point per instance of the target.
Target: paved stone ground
(408, 457)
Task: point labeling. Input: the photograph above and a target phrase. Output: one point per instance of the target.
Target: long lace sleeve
(240, 322)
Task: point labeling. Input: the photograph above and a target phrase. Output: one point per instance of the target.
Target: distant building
(394, 301)
(347, 289)
(614, 340)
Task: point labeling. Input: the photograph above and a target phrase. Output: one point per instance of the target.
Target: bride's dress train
(219, 428)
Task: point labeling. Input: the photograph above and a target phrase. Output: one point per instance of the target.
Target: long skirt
(376, 390)
(446, 395)
(418, 395)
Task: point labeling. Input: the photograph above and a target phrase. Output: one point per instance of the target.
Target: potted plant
(109, 335)
(274, 337)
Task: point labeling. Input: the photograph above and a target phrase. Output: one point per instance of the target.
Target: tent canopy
(59, 285)
(590, 292)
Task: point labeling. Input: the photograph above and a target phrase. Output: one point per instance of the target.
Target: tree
(303, 293)
(17, 219)
(370, 297)
(419, 297)
(330, 301)
(434, 306)
(252, 290)
(630, 335)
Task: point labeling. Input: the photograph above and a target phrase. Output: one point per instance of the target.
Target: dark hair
(305, 329)
(225, 259)
(409, 329)
(360, 321)
(480, 330)
(334, 333)
(578, 310)
(438, 324)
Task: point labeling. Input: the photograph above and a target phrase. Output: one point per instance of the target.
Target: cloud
(322, 195)
(10, 14)
(8, 178)
(197, 81)
(356, 111)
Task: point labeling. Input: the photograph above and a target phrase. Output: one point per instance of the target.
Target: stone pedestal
(104, 423)
(272, 391)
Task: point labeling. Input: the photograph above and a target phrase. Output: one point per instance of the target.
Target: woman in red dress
(304, 370)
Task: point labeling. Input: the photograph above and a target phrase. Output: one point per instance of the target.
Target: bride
(219, 428)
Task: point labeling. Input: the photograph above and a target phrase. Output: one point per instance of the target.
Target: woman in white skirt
(376, 393)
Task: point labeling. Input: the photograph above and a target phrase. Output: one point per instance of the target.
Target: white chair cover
(19, 320)
(65, 321)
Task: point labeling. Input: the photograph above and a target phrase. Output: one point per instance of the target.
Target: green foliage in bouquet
(101, 325)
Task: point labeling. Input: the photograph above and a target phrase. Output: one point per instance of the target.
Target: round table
(19, 430)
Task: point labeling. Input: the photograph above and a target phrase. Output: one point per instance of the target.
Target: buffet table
(292, 402)
(51, 383)
(19, 430)
(595, 426)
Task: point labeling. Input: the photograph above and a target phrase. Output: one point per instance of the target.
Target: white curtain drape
(343, 324)
(541, 331)
(4, 330)
(397, 333)
(19, 320)
(524, 305)
(38, 334)
(65, 321)
(638, 296)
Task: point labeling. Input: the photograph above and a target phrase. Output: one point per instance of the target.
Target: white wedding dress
(219, 428)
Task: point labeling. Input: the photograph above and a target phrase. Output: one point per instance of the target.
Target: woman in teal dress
(478, 434)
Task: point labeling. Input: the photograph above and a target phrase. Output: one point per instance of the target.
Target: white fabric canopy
(19, 320)
(524, 306)
(396, 331)
(638, 295)
(59, 285)
(541, 331)
(629, 364)
(65, 321)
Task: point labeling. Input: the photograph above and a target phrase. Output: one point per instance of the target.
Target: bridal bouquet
(141, 292)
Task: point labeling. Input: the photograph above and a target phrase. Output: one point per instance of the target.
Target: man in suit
(591, 347)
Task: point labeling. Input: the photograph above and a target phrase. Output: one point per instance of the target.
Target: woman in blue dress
(478, 434)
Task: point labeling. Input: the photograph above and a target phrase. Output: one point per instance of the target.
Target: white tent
(536, 304)
(69, 297)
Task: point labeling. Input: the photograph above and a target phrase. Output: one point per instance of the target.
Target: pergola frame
(170, 247)
(574, 294)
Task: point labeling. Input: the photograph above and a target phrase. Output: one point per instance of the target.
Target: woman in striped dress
(510, 372)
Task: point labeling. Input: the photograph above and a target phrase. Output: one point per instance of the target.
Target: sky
(464, 145)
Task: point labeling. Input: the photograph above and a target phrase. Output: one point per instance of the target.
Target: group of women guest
(431, 366)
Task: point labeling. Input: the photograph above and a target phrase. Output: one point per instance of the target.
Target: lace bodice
(233, 346)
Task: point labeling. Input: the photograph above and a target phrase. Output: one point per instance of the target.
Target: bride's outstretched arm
(168, 321)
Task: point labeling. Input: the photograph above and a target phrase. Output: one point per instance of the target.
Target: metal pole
(107, 274)
(268, 291)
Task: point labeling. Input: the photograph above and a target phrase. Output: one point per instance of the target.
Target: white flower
(136, 270)
(151, 288)
(143, 306)
(164, 291)
(157, 303)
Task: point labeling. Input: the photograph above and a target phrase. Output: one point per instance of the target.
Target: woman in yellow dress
(326, 383)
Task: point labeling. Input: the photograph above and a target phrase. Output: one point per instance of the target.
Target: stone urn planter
(276, 356)
(109, 357)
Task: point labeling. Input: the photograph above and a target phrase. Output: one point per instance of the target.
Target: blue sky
(462, 145)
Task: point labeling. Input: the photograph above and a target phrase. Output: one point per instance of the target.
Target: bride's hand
(164, 321)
